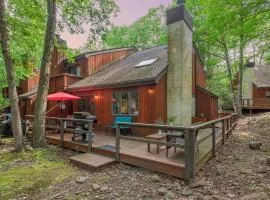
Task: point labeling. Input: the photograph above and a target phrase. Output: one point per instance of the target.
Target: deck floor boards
(136, 153)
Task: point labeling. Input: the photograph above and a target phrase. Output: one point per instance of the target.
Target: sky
(130, 10)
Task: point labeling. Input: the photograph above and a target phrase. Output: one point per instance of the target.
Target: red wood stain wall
(93, 63)
(206, 105)
(152, 104)
(259, 97)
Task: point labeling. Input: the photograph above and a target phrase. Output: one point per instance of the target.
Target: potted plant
(171, 120)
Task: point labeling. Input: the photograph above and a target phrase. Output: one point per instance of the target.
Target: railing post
(214, 139)
(62, 132)
(90, 135)
(117, 143)
(227, 124)
(223, 131)
(230, 125)
(190, 154)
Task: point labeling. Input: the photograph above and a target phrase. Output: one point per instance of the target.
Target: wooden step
(91, 161)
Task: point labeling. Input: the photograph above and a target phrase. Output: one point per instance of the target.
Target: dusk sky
(130, 10)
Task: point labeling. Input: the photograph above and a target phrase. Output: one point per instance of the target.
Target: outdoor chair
(178, 139)
(127, 119)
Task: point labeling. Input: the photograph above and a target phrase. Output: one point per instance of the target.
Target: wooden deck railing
(256, 102)
(227, 125)
(54, 123)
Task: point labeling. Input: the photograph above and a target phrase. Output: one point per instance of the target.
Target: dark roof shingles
(125, 71)
(262, 75)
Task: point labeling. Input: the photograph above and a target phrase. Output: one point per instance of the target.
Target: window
(267, 94)
(75, 70)
(125, 103)
(87, 104)
(146, 62)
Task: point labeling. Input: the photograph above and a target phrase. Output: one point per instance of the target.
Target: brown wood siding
(98, 61)
(152, 104)
(207, 105)
(57, 64)
(259, 97)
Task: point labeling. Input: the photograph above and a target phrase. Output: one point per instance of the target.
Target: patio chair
(177, 138)
(118, 119)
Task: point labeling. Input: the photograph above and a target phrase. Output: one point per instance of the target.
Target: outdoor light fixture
(151, 91)
(97, 97)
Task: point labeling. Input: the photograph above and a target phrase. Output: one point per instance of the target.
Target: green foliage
(148, 31)
(31, 170)
(26, 21)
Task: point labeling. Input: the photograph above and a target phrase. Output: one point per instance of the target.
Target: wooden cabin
(256, 87)
(151, 85)
(112, 82)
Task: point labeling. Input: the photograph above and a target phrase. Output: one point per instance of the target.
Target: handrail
(176, 128)
(63, 119)
(190, 134)
(155, 126)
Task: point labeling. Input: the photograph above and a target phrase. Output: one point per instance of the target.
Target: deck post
(190, 154)
(228, 128)
(90, 136)
(117, 143)
(223, 131)
(62, 132)
(214, 139)
(230, 125)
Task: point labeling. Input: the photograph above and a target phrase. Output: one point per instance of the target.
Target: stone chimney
(179, 76)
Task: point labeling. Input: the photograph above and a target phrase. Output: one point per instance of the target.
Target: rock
(28, 148)
(255, 145)
(155, 178)
(262, 160)
(81, 179)
(162, 191)
(246, 171)
(262, 170)
(104, 188)
(268, 161)
(255, 195)
(95, 186)
(187, 192)
(170, 195)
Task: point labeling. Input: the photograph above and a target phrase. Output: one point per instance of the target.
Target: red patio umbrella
(61, 96)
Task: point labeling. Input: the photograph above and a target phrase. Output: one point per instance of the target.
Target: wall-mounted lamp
(151, 91)
(97, 97)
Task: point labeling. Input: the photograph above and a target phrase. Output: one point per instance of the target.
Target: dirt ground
(237, 172)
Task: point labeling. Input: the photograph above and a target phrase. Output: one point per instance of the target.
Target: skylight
(146, 62)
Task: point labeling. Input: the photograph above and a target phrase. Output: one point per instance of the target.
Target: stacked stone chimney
(179, 76)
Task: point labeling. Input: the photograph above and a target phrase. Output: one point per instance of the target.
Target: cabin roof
(262, 76)
(125, 72)
(29, 94)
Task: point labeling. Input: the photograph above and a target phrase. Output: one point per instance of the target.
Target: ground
(237, 172)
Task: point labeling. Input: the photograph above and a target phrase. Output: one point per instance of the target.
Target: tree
(43, 86)
(14, 101)
(150, 30)
(222, 27)
(71, 15)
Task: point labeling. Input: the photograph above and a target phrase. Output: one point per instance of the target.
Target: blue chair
(127, 119)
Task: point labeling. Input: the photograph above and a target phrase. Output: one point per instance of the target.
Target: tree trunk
(13, 96)
(240, 77)
(229, 71)
(39, 139)
(241, 62)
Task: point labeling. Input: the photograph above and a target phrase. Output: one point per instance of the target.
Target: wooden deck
(135, 153)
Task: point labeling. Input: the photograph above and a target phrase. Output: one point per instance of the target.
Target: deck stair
(91, 161)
